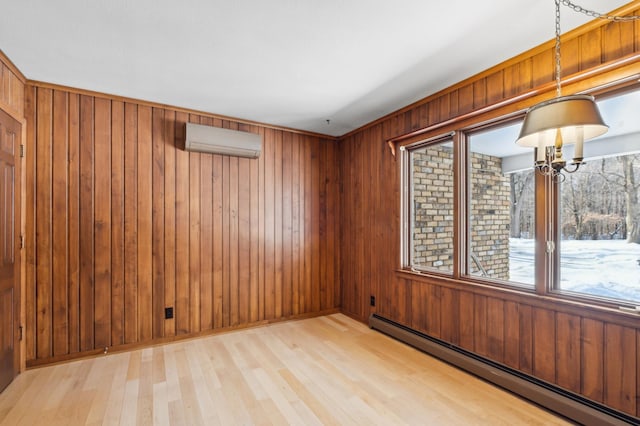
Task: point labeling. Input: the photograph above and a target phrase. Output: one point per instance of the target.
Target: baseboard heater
(554, 398)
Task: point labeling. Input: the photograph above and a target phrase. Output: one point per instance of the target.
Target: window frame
(465, 272)
(406, 209)
(547, 226)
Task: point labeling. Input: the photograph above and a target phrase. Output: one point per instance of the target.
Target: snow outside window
(599, 210)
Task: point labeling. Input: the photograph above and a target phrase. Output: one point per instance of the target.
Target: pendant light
(550, 125)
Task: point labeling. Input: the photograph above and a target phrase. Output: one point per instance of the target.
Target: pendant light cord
(593, 14)
(558, 67)
(598, 15)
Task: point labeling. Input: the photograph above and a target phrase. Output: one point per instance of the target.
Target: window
(501, 217)
(587, 242)
(429, 186)
(599, 210)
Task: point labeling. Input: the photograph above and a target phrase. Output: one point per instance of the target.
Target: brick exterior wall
(433, 207)
(490, 217)
(432, 169)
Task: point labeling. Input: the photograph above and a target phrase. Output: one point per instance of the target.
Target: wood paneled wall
(121, 223)
(587, 350)
(11, 88)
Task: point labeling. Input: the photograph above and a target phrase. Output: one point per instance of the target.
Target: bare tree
(631, 197)
(626, 180)
(577, 189)
(519, 183)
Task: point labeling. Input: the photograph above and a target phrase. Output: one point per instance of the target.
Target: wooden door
(9, 248)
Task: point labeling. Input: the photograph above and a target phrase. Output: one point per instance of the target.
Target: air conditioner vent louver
(216, 140)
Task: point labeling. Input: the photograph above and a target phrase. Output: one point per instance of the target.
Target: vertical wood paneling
(169, 219)
(512, 334)
(286, 226)
(467, 320)
(127, 223)
(592, 353)
(481, 345)
(86, 224)
(234, 253)
(591, 49)
(244, 242)
(570, 59)
(543, 65)
(117, 223)
(206, 240)
(269, 225)
(495, 329)
(449, 315)
(433, 311)
(158, 222)
(494, 87)
(217, 242)
(568, 356)
(102, 223)
(182, 306)
(277, 215)
(194, 237)
(295, 226)
(526, 338)
(30, 224)
(145, 224)
(73, 224)
(59, 224)
(43, 224)
(619, 362)
(130, 223)
(254, 237)
(544, 348)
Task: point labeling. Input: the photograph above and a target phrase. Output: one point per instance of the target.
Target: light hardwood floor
(328, 370)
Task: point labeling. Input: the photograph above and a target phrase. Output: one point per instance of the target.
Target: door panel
(9, 246)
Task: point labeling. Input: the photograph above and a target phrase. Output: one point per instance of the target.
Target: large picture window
(575, 236)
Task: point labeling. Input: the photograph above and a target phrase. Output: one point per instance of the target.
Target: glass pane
(600, 214)
(432, 207)
(502, 207)
(600, 247)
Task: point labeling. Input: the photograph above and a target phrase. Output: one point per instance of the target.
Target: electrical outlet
(372, 301)
(168, 313)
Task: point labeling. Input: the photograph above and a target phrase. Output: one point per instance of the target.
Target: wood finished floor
(329, 370)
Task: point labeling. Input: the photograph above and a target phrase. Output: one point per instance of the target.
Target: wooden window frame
(547, 209)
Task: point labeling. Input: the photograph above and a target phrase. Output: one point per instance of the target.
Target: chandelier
(563, 120)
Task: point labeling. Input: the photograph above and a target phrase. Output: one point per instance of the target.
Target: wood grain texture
(126, 223)
(554, 341)
(326, 370)
(12, 89)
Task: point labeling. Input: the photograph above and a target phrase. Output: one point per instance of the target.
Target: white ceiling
(294, 63)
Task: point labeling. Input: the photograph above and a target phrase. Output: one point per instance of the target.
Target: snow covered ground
(605, 268)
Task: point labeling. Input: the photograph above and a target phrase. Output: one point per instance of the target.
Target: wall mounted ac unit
(216, 140)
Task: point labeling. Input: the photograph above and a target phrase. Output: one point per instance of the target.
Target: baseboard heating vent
(554, 398)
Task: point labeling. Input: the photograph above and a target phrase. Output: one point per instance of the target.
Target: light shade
(576, 116)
